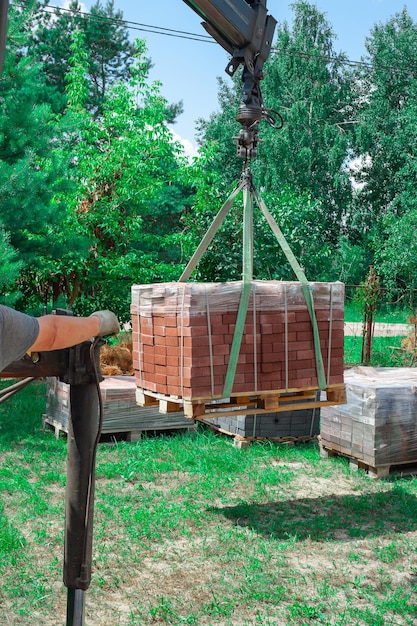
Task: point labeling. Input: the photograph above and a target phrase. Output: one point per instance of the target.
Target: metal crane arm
(245, 30)
(242, 27)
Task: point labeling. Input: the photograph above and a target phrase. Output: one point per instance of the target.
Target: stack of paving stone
(120, 411)
(378, 424)
(301, 424)
(183, 333)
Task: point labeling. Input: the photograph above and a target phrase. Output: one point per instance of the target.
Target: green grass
(385, 314)
(386, 352)
(191, 530)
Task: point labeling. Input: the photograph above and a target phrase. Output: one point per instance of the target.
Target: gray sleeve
(17, 333)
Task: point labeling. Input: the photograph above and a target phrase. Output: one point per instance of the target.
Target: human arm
(62, 331)
(20, 333)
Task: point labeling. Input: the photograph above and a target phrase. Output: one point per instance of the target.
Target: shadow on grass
(339, 518)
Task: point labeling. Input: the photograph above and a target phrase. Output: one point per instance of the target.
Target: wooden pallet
(250, 404)
(328, 449)
(130, 435)
(59, 427)
(239, 441)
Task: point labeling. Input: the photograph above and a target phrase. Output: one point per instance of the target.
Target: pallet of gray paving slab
(120, 411)
(244, 441)
(377, 425)
(303, 423)
(405, 468)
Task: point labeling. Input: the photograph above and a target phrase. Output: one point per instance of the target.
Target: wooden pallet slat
(240, 441)
(330, 449)
(131, 435)
(253, 404)
(145, 399)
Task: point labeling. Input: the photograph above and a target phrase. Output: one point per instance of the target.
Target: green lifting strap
(321, 378)
(249, 190)
(246, 289)
(209, 236)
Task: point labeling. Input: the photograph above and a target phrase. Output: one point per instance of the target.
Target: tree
(89, 203)
(124, 164)
(305, 81)
(10, 270)
(396, 255)
(385, 215)
(110, 53)
(32, 168)
(220, 130)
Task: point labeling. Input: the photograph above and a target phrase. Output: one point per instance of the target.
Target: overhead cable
(179, 34)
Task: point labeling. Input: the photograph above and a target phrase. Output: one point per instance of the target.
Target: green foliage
(10, 270)
(96, 196)
(351, 261)
(385, 216)
(301, 169)
(220, 262)
(109, 53)
(32, 167)
(367, 294)
(127, 200)
(295, 214)
(220, 130)
(309, 153)
(396, 253)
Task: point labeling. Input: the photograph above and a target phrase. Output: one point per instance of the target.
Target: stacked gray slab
(304, 423)
(378, 424)
(120, 411)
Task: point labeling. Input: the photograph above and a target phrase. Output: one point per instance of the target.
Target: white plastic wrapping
(378, 424)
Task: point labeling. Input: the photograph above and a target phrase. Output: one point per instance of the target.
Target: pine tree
(305, 82)
(110, 52)
(32, 168)
(385, 219)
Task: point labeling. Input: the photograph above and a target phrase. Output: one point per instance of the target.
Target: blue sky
(188, 69)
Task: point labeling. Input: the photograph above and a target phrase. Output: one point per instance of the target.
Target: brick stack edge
(183, 332)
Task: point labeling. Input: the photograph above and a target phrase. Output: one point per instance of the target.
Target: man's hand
(109, 324)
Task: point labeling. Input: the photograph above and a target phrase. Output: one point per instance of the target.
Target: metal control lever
(83, 435)
(78, 367)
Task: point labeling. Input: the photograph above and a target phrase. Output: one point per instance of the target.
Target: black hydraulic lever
(84, 430)
(78, 367)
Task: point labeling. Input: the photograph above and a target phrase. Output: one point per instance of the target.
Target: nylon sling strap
(248, 189)
(296, 267)
(246, 290)
(209, 236)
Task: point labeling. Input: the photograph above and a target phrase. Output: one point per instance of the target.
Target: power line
(148, 28)
(343, 61)
(179, 34)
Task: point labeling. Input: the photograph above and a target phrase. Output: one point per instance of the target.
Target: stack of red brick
(183, 332)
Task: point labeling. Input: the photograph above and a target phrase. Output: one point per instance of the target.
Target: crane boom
(245, 30)
(242, 27)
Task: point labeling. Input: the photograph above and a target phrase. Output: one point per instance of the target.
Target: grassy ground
(386, 352)
(387, 315)
(190, 530)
